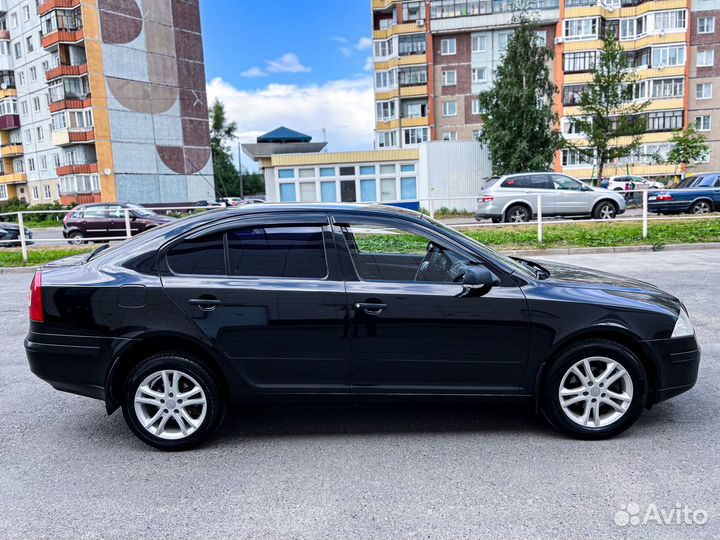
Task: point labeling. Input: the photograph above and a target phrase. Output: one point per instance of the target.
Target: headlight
(683, 326)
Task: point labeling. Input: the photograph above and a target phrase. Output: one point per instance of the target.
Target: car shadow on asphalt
(288, 420)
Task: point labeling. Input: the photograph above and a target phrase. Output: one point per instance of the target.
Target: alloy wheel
(595, 392)
(607, 211)
(170, 404)
(518, 215)
(701, 208)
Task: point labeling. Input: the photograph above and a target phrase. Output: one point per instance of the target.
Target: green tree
(222, 133)
(517, 112)
(607, 110)
(253, 183)
(689, 146)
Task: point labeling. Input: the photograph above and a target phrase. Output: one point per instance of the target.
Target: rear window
(515, 182)
(94, 212)
(283, 252)
(289, 252)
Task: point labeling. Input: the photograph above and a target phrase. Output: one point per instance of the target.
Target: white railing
(540, 220)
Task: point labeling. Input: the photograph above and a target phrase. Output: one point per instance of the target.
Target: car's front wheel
(172, 402)
(517, 214)
(595, 390)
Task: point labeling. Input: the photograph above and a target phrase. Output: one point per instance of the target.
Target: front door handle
(205, 304)
(370, 308)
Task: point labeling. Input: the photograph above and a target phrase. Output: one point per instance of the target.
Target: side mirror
(478, 281)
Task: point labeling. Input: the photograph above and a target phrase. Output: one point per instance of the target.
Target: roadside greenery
(37, 257)
(36, 220)
(688, 147)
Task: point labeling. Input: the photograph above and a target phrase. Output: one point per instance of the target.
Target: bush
(16, 205)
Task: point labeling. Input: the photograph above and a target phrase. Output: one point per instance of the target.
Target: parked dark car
(89, 222)
(308, 302)
(10, 235)
(702, 197)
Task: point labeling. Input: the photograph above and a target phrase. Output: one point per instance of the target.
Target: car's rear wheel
(172, 402)
(76, 238)
(517, 214)
(595, 390)
(605, 210)
(701, 207)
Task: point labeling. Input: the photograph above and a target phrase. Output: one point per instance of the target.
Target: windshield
(514, 265)
(139, 210)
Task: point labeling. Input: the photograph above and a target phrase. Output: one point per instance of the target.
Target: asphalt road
(363, 471)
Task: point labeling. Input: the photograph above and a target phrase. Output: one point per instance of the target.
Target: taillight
(37, 313)
(664, 197)
(488, 199)
(67, 217)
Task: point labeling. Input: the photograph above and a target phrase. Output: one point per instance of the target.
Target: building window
(18, 51)
(576, 29)
(286, 173)
(573, 158)
(413, 11)
(33, 73)
(3, 192)
(412, 44)
(327, 172)
(449, 108)
(668, 56)
(665, 120)
(579, 62)
(479, 75)
(387, 139)
(416, 135)
(29, 44)
(40, 134)
(703, 90)
(368, 190)
(702, 123)
(36, 104)
(705, 58)
(449, 136)
(386, 110)
(28, 136)
(367, 170)
(26, 12)
(48, 194)
(706, 25)
(572, 93)
(449, 78)
(386, 79)
(504, 41)
(476, 106)
(479, 44)
(287, 193)
(328, 191)
(412, 76)
(383, 48)
(671, 21)
(408, 189)
(668, 88)
(541, 37)
(44, 166)
(35, 193)
(476, 135)
(448, 46)
(56, 160)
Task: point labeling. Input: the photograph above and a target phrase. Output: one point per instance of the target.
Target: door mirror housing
(478, 281)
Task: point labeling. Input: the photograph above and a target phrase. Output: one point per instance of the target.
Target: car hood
(9, 226)
(566, 275)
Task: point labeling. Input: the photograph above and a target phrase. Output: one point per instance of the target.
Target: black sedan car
(10, 235)
(309, 302)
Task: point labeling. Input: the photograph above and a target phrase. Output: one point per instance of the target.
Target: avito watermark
(632, 514)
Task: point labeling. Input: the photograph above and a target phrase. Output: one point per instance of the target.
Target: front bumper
(12, 239)
(677, 362)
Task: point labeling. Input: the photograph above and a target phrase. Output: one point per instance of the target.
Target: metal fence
(637, 199)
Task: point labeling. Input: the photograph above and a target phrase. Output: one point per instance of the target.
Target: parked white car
(513, 198)
(621, 183)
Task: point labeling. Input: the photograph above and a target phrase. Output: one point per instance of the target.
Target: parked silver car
(514, 198)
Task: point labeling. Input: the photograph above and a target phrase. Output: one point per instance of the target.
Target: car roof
(317, 207)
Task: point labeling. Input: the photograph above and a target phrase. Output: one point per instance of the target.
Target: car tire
(701, 207)
(76, 238)
(157, 382)
(605, 210)
(587, 407)
(517, 214)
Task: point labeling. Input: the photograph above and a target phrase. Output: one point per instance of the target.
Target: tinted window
(95, 212)
(539, 181)
(708, 181)
(116, 212)
(289, 252)
(199, 256)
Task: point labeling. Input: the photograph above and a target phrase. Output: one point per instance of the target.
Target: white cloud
(344, 108)
(287, 63)
(369, 64)
(253, 72)
(347, 52)
(363, 43)
(339, 39)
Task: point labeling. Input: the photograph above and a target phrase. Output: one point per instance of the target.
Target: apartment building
(433, 57)
(103, 100)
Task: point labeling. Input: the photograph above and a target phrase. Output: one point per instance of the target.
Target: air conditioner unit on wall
(559, 40)
(421, 22)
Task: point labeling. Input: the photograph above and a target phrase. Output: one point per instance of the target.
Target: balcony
(71, 102)
(14, 178)
(65, 137)
(66, 71)
(4, 35)
(63, 36)
(81, 168)
(11, 150)
(47, 6)
(9, 121)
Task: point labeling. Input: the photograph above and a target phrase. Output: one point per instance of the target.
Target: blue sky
(302, 63)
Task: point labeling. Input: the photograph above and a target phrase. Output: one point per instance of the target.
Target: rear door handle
(205, 304)
(370, 308)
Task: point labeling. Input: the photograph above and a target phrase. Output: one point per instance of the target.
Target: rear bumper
(78, 365)
(677, 361)
(669, 207)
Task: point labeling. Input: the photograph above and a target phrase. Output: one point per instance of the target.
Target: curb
(518, 253)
